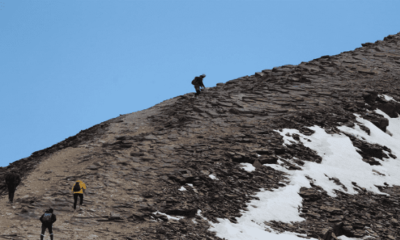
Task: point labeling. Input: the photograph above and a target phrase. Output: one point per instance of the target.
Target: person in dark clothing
(198, 83)
(47, 219)
(12, 179)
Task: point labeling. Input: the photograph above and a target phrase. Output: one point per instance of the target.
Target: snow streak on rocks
(341, 170)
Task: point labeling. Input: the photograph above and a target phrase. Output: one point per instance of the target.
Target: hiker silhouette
(198, 84)
(12, 179)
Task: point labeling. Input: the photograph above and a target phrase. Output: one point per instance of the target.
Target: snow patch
(247, 167)
(213, 177)
(387, 98)
(249, 230)
(182, 189)
(339, 159)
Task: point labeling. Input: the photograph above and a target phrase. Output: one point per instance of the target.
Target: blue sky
(68, 65)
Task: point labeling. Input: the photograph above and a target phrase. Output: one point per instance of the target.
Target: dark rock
(378, 121)
(280, 151)
(268, 160)
(162, 217)
(390, 108)
(181, 211)
(309, 194)
(138, 215)
(137, 154)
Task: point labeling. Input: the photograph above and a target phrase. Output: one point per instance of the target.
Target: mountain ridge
(136, 165)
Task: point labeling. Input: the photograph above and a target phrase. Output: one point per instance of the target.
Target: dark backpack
(13, 179)
(197, 81)
(47, 217)
(77, 187)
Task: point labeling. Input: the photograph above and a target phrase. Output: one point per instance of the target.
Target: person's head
(50, 210)
(202, 75)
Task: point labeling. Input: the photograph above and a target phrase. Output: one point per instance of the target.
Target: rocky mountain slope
(181, 168)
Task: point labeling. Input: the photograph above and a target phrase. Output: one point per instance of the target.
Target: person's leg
(81, 196)
(51, 231)
(12, 194)
(11, 191)
(43, 231)
(197, 89)
(75, 200)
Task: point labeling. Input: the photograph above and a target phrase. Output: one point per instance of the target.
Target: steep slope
(193, 168)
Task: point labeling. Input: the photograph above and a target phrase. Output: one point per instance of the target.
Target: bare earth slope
(136, 164)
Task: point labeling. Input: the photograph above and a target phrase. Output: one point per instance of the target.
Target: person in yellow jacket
(78, 190)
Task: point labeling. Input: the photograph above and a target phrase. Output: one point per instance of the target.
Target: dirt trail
(49, 185)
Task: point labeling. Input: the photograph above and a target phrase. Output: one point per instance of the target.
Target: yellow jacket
(82, 185)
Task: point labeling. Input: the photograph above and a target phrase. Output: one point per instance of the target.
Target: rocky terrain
(177, 168)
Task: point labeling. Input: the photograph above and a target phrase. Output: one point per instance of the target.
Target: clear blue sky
(68, 65)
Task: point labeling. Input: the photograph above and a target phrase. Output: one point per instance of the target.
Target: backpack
(77, 187)
(47, 217)
(197, 81)
(13, 179)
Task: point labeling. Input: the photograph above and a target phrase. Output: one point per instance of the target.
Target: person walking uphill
(47, 219)
(198, 83)
(78, 190)
(12, 179)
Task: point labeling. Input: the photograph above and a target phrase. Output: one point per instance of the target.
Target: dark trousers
(44, 227)
(76, 195)
(198, 91)
(11, 191)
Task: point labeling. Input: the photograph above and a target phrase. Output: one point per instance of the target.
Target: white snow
(387, 98)
(182, 188)
(248, 230)
(339, 159)
(247, 167)
(168, 216)
(213, 177)
(347, 238)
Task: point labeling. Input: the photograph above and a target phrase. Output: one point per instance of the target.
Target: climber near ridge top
(198, 84)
